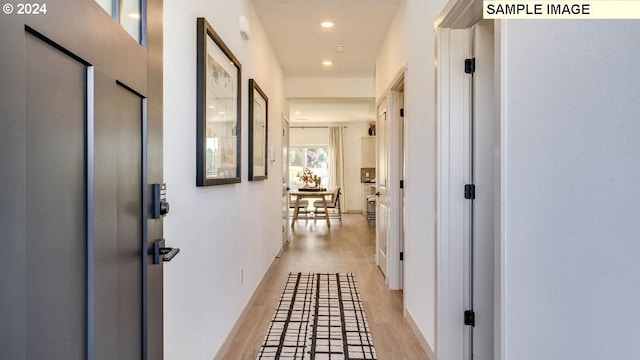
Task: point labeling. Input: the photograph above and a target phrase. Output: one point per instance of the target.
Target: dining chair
(333, 206)
(303, 206)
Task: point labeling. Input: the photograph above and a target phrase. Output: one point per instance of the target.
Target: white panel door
(483, 178)
(285, 181)
(401, 170)
(382, 175)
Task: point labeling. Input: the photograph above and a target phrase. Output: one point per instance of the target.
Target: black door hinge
(470, 65)
(470, 191)
(470, 318)
(401, 112)
(401, 255)
(401, 184)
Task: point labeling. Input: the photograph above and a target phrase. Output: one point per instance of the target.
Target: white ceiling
(326, 110)
(301, 44)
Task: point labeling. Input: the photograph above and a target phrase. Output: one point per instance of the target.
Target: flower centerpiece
(307, 177)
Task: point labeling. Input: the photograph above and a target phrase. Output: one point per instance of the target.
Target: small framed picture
(258, 125)
(219, 75)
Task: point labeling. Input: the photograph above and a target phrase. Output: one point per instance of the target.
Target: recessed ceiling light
(327, 63)
(135, 16)
(327, 24)
(297, 112)
(221, 112)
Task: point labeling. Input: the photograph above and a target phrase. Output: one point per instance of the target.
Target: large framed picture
(219, 77)
(258, 125)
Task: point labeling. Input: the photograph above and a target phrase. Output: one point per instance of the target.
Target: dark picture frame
(219, 82)
(258, 132)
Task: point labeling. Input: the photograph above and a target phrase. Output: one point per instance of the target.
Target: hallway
(346, 248)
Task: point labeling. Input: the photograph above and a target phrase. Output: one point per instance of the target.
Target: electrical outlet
(241, 275)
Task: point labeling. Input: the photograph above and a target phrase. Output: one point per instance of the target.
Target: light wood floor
(346, 248)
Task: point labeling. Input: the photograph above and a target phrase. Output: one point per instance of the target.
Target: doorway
(285, 181)
(390, 182)
(80, 111)
(397, 92)
(465, 262)
(480, 163)
(382, 184)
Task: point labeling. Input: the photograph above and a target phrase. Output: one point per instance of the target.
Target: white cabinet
(368, 152)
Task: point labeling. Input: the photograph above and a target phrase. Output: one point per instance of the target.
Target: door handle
(378, 194)
(160, 252)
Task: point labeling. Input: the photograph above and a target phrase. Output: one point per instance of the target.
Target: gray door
(81, 112)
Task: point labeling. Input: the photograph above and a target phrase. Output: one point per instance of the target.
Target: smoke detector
(340, 48)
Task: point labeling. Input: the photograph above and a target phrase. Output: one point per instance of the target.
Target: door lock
(160, 204)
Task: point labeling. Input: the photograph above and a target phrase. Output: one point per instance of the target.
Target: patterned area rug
(319, 317)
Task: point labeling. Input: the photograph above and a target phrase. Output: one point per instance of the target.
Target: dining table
(310, 194)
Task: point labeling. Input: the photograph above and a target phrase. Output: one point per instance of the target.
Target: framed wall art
(258, 125)
(219, 75)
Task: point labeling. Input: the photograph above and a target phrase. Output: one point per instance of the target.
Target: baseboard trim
(278, 255)
(352, 212)
(222, 351)
(416, 330)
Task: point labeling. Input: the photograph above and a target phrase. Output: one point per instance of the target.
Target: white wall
(308, 136)
(329, 87)
(353, 162)
(410, 41)
(352, 154)
(203, 294)
(571, 210)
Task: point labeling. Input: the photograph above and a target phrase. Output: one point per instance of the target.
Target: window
(127, 13)
(315, 158)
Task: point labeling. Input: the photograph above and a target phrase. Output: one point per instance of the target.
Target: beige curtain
(336, 161)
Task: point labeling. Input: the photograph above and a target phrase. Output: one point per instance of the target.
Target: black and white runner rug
(319, 317)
